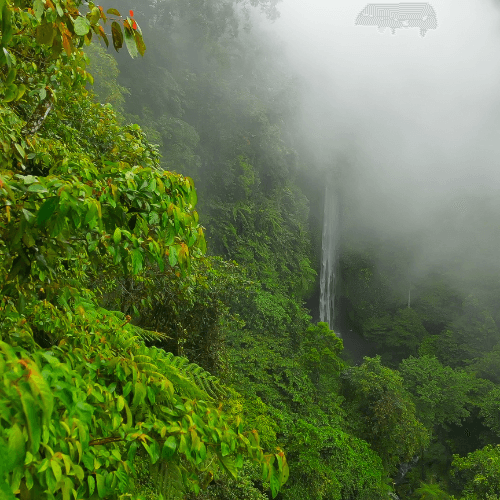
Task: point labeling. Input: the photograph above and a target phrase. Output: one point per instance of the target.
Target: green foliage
(80, 393)
(442, 395)
(365, 291)
(479, 472)
(37, 30)
(267, 235)
(119, 404)
(105, 73)
(437, 302)
(388, 420)
(430, 492)
(400, 334)
(455, 405)
(329, 463)
(320, 358)
(490, 409)
(449, 320)
(96, 206)
(221, 104)
(226, 487)
(475, 328)
(488, 366)
(191, 310)
(299, 385)
(224, 131)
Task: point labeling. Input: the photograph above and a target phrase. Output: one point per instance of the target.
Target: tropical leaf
(32, 421)
(40, 388)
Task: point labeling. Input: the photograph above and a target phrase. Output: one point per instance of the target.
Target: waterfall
(328, 258)
(405, 468)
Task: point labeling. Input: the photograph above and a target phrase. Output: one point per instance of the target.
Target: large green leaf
(91, 483)
(5, 491)
(130, 42)
(82, 26)
(139, 394)
(275, 483)
(38, 8)
(169, 447)
(37, 188)
(32, 420)
(101, 485)
(117, 35)
(11, 76)
(153, 450)
(7, 28)
(141, 46)
(229, 465)
(16, 450)
(56, 469)
(10, 93)
(45, 33)
(137, 261)
(46, 210)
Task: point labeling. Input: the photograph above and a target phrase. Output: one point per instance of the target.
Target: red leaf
(131, 13)
(134, 26)
(66, 43)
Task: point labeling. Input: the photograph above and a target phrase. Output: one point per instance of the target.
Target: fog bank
(417, 117)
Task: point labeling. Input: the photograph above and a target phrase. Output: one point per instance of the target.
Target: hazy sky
(422, 114)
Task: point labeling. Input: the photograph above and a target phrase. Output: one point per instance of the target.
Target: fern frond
(189, 379)
(151, 335)
(208, 382)
(143, 358)
(194, 369)
(169, 481)
(151, 370)
(180, 362)
(192, 378)
(62, 300)
(123, 479)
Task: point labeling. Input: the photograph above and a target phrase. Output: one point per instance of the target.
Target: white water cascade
(328, 258)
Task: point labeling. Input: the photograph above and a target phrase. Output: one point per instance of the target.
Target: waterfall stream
(328, 258)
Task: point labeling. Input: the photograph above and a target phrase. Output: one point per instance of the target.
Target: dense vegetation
(138, 360)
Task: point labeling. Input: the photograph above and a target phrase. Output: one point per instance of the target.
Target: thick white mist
(418, 119)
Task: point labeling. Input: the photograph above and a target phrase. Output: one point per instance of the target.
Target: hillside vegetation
(159, 241)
